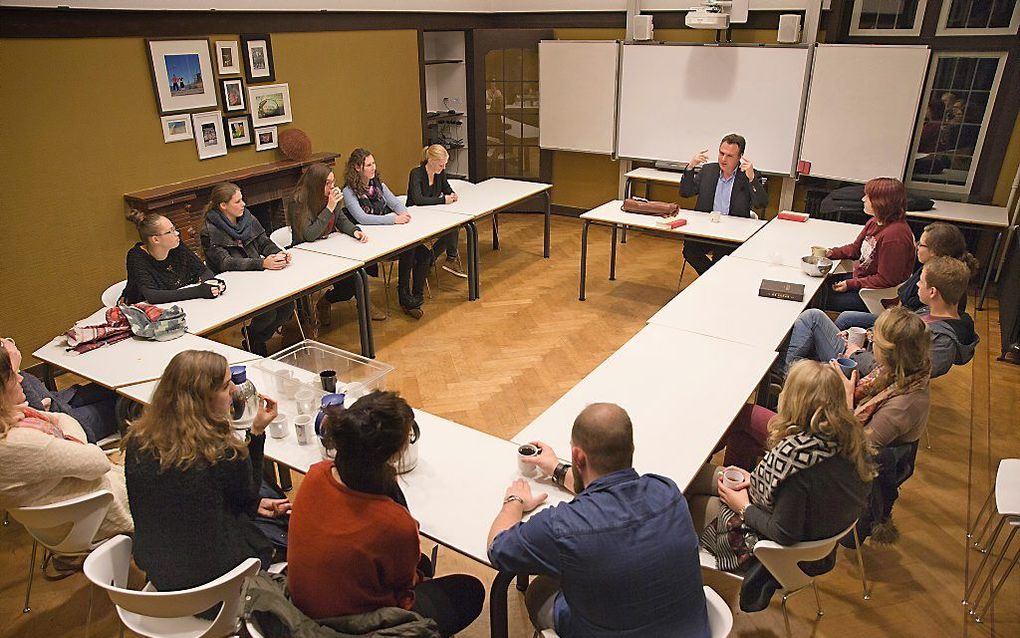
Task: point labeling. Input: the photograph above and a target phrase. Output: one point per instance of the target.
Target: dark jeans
(696, 254)
(843, 301)
(94, 407)
(412, 269)
(448, 244)
(263, 326)
(452, 601)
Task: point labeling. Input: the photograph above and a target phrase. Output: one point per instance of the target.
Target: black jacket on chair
(746, 194)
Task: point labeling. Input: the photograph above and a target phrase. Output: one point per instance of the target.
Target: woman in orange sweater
(353, 545)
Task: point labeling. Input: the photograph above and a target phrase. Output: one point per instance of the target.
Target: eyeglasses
(172, 231)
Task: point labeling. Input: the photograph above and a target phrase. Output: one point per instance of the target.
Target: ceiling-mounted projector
(717, 14)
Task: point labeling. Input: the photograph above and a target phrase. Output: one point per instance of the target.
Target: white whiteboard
(577, 95)
(861, 110)
(677, 100)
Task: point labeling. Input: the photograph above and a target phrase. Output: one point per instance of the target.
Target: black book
(781, 290)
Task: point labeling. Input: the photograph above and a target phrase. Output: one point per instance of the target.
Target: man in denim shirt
(621, 559)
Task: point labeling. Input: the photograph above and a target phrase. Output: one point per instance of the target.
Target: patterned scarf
(869, 399)
(82, 339)
(727, 538)
(35, 420)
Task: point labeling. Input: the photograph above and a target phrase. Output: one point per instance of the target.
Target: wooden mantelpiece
(183, 202)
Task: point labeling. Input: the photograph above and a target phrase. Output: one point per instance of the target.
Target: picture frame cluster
(189, 93)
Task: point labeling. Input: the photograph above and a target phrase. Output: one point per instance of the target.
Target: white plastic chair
(111, 295)
(782, 563)
(873, 297)
(48, 525)
(282, 236)
(720, 618)
(1006, 494)
(167, 614)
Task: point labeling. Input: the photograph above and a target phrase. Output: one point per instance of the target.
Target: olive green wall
(81, 128)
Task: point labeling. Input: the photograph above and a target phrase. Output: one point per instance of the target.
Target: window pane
(495, 129)
(956, 109)
(980, 14)
(532, 161)
(494, 65)
(512, 61)
(530, 65)
(888, 14)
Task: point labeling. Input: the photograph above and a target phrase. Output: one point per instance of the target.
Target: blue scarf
(243, 232)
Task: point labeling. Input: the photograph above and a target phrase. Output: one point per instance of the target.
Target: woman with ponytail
(353, 545)
(427, 186)
(161, 269)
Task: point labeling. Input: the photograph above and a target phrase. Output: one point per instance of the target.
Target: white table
(249, 291)
(681, 390)
(647, 174)
(387, 240)
(728, 230)
(131, 361)
(724, 303)
(494, 194)
(790, 240)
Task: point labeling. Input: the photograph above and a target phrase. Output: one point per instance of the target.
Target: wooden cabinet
(183, 203)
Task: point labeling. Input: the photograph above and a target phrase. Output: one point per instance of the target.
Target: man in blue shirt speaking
(621, 559)
(731, 187)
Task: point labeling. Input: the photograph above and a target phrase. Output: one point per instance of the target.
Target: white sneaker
(454, 269)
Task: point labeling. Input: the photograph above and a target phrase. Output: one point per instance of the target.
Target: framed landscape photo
(238, 130)
(228, 62)
(258, 58)
(266, 138)
(233, 94)
(182, 75)
(176, 128)
(209, 137)
(270, 104)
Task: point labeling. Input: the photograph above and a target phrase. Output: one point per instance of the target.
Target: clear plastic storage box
(356, 375)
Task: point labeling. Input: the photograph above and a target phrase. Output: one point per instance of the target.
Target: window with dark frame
(892, 17)
(511, 111)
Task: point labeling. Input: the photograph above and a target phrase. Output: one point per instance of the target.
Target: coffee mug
(527, 451)
(818, 251)
(846, 365)
(219, 284)
(731, 478)
(328, 379)
(278, 427)
(856, 336)
(715, 217)
(302, 424)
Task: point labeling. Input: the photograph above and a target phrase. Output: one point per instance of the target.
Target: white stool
(1006, 492)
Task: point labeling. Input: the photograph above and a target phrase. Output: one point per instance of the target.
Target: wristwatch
(513, 497)
(559, 475)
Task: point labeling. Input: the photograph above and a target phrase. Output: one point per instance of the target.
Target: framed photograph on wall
(266, 138)
(270, 104)
(176, 128)
(182, 74)
(233, 94)
(209, 137)
(258, 58)
(228, 62)
(238, 130)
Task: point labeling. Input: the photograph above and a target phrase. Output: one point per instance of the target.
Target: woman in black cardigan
(427, 185)
(160, 269)
(193, 484)
(812, 484)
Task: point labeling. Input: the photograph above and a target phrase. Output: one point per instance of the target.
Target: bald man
(621, 559)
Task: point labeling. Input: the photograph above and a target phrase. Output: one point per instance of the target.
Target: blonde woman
(428, 185)
(193, 483)
(812, 483)
(44, 457)
(891, 401)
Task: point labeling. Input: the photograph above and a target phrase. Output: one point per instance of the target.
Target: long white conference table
(681, 390)
(728, 230)
(131, 361)
(786, 241)
(452, 460)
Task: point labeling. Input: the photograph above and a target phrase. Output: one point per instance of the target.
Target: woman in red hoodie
(884, 250)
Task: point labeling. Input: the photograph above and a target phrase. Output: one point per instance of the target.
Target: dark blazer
(745, 195)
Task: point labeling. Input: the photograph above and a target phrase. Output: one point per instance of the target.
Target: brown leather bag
(644, 207)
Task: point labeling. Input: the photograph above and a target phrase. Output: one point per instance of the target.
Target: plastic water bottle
(244, 400)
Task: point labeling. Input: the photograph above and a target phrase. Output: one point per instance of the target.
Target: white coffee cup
(731, 478)
(302, 426)
(715, 217)
(856, 336)
(527, 450)
(278, 427)
(305, 400)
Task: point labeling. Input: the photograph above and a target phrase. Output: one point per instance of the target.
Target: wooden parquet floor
(497, 363)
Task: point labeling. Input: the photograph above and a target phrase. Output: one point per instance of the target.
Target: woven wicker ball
(295, 144)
